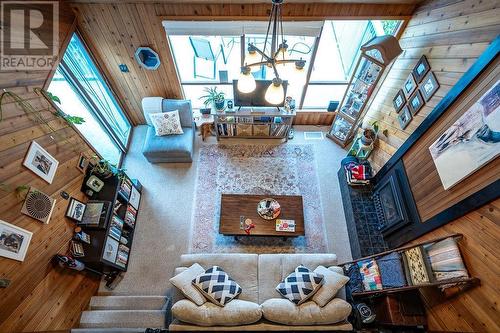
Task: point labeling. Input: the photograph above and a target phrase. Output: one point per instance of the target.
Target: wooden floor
(64, 296)
(475, 310)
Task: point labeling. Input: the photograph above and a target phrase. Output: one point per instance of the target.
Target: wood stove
(394, 201)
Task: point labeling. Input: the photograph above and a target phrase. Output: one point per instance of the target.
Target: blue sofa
(170, 148)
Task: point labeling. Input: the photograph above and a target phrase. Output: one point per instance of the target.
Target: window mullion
(310, 69)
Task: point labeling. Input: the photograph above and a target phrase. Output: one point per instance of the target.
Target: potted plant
(104, 169)
(214, 98)
(370, 133)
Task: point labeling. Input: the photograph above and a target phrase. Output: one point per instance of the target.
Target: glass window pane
(91, 129)
(81, 66)
(299, 48)
(194, 92)
(318, 96)
(207, 58)
(339, 46)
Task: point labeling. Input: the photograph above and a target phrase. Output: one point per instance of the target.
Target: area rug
(287, 169)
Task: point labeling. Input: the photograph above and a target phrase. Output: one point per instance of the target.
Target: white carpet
(164, 220)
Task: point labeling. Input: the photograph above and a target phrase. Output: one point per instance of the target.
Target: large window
(83, 92)
(331, 54)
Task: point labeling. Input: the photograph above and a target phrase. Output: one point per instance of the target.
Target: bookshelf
(111, 241)
(253, 123)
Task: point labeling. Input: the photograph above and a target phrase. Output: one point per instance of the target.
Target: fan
(38, 205)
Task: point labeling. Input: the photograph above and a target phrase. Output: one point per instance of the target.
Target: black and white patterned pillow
(217, 286)
(300, 285)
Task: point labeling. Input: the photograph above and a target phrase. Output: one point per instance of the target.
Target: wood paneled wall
(452, 34)
(475, 310)
(40, 296)
(429, 194)
(114, 31)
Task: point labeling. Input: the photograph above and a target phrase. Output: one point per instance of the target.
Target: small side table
(204, 123)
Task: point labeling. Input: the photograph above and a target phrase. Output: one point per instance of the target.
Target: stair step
(127, 302)
(123, 319)
(108, 330)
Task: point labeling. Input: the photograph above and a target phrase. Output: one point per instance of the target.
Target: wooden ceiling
(246, 1)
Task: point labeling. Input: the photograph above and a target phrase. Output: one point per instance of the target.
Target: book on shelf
(130, 215)
(115, 229)
(125, 188)
(247, 120)
(278, 130)
(122, 256)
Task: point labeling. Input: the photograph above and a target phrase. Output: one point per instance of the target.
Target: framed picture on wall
(14, 241)
(404, 117)
(471, 142)
(421, 69)
(409, 86)
(415, 102)
(399, 101)
(41, 162)
(429, 86)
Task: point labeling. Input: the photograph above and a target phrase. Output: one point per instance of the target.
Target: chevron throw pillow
(217, 286)
(300, 285)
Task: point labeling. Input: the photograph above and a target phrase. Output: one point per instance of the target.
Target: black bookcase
(98, 255)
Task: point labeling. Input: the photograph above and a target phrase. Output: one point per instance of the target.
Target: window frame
(90, 105)
(308, 82)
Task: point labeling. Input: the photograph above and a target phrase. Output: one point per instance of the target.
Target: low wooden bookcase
(253, 123)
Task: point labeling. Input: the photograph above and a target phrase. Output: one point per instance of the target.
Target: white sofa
(258, 276)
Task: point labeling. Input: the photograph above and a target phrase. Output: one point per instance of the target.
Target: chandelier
(276, 58)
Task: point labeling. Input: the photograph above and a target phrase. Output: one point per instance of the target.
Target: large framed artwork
(14, 241)
(471, 142)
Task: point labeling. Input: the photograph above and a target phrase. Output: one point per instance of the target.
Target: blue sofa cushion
(169, 146)
(184, 108)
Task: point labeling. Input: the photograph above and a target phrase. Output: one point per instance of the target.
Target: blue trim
(488, 56)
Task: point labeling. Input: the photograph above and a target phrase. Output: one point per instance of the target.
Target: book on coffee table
(285, 225)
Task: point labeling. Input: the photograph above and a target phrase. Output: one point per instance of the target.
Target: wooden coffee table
(234, 206)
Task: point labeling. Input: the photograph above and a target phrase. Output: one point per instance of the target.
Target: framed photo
(399, 101)
(409, 86)
(471, 142)
(415, 102)
(404, 117)
(41, 162)
(429, 86)
(421, 69)
(14, 241)
(83, 163)
(75, 210)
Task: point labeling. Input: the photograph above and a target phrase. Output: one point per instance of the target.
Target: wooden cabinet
(375, 56)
